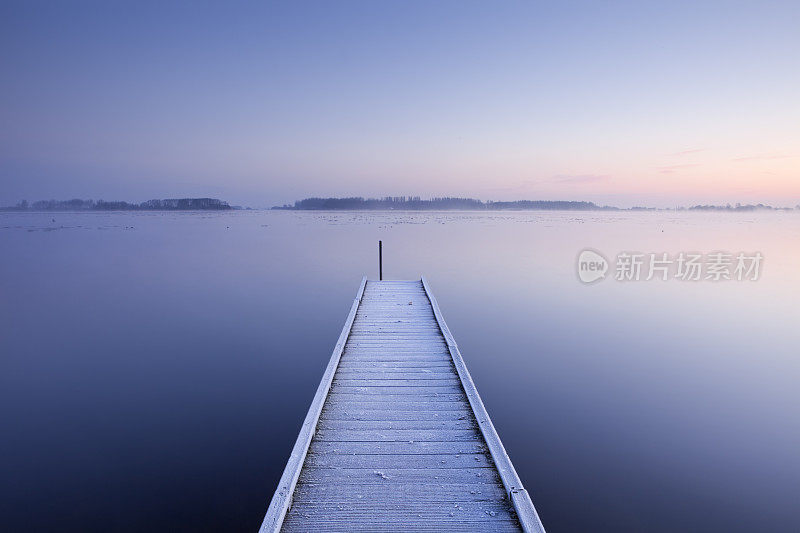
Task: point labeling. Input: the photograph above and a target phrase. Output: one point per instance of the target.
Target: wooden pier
(397, 437)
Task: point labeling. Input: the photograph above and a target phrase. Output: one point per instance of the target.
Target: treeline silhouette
(739, 207)
(170, 204)
(414, 203)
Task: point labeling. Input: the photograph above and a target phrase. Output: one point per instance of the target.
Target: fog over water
(155, 367)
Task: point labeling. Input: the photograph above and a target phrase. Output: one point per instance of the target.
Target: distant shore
(415, 203)
(390, 203)
(169, 204)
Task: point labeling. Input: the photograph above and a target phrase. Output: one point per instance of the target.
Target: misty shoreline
(415, 203)
(359, 204)
(78, 205)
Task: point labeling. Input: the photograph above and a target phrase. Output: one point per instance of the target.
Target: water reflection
(156, 367)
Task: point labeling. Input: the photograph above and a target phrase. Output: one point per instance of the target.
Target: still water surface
(155, 367)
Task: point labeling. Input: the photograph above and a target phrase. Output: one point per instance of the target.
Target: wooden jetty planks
(397, 437)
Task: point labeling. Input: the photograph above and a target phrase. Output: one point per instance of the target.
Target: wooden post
(380, 260)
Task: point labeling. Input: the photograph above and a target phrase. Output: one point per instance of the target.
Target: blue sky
(262, 103)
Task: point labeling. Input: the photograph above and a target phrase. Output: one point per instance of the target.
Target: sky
(621, 103)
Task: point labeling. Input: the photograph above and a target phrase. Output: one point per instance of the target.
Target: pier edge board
(282, 499)
(526, 512)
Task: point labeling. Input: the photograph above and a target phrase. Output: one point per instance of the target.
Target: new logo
(592, 266)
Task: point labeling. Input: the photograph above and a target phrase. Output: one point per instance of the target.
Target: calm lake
(155, 368)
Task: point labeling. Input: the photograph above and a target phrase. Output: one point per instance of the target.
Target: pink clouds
(762, 157)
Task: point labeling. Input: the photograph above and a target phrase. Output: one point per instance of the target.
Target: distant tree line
(170, 204)
(414, 203)
(739, 207)
(548, 205)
